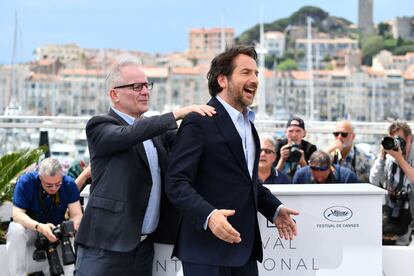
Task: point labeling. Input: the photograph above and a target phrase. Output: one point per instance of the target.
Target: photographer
(345, 153)
(393, 171)
(322, 171)
(293, 152)
(40, 201)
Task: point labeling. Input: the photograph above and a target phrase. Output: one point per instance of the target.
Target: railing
(18, 132)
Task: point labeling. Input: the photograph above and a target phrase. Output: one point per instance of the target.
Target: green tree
(400, 41)
(327, 58)
(402, 50)
(287, 65)
(371, 46)
(390, 43)
(270, 61)
(383, 29)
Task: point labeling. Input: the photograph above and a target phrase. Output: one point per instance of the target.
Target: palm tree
(12, 164)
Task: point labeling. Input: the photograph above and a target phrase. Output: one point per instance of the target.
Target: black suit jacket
(207, 170)
(121, 179)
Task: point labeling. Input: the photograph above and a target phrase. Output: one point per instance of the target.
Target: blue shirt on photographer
(39, 205)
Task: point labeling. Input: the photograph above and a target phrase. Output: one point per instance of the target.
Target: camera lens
(388, 143)
(295, 154)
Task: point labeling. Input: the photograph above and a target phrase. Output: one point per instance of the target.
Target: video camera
(294, 154)
(393, 143)
(46, 249)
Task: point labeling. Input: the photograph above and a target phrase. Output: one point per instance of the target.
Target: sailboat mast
(13, 79)
(310, 106)
(261, 109)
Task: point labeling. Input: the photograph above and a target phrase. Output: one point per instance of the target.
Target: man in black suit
(212, 177)
(128, 155)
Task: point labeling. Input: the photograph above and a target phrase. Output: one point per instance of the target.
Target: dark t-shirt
(39, 205)
(279, 178)
(290, 168)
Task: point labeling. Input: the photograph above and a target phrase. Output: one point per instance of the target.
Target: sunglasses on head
(319, 168)
(343, 134)
(267, 151)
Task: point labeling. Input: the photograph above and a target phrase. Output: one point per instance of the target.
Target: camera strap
(46, 211)
(353, 162)
(293, 166)
(401, 180)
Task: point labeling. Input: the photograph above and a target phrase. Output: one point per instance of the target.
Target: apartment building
(203, 44)
(65, 53)
(274, 43)
(385, 60)
(323, 50)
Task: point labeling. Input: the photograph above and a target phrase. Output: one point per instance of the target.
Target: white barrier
(339, 234)
(339, 231)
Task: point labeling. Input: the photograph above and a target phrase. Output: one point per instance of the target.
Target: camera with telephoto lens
(393, 143)
(396, 219)
(46, 249)
(294, 154)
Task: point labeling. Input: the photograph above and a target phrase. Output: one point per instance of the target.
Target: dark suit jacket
(121, 179)
(207, 171)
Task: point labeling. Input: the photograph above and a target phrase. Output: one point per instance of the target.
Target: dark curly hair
(223, 64)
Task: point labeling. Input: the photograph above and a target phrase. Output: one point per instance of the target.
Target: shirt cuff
(277, 212)
(208, 217)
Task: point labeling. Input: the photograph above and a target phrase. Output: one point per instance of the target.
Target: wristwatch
(36, 226)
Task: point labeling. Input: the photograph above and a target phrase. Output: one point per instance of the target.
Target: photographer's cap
(296, 121)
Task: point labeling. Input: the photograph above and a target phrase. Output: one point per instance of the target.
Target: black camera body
(393, 143)
(48, 250)
(294, 153)
(396, 219)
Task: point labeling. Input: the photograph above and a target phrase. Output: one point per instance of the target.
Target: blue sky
(151, 26)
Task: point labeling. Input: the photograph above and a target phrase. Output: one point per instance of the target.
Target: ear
(113, 94)
(222, 81)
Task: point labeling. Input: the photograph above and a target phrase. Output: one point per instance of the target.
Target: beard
(237, 95)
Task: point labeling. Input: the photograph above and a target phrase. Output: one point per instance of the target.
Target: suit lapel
(257, 146)
(140, 146)
(256, 162)
(228, 130)
(161, 152)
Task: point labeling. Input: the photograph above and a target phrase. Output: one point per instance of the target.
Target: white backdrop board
(339, 234)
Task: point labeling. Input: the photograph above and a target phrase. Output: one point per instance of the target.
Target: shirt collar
(129, 119)
(234, 113)
(350, 154)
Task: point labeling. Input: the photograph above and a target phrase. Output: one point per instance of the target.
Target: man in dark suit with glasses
(128, 156)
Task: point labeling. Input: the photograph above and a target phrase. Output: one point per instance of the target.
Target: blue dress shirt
(152, 213)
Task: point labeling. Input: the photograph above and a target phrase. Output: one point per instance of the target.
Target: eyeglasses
(267, 151)
(319, 168)
(343, 134)
(137, 87)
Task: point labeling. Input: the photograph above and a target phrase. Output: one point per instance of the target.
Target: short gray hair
(269, 139)
(320, 158)
(114, 77)
(50, 167)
